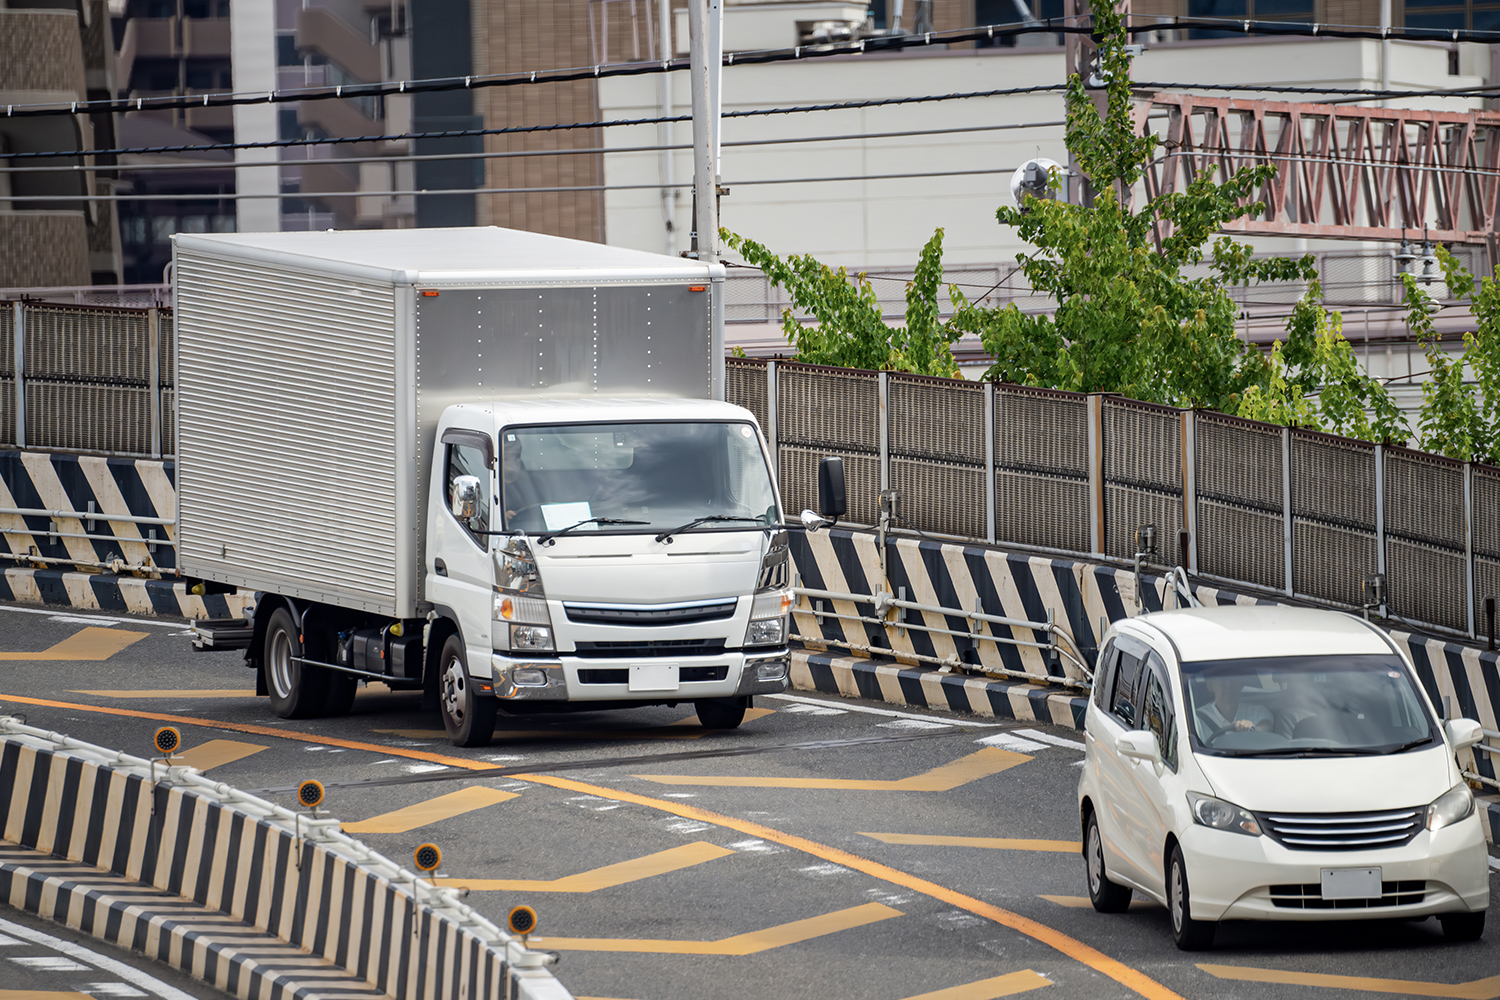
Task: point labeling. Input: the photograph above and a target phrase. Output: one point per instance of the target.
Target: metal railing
(1492, 752)
(86, 520)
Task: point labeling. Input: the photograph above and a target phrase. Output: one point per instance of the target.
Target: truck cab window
(466, 461)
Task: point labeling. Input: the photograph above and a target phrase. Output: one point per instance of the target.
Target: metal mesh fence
(745, 385)
(941, 419)
(1333, 510)
(1237, 464)
(7, 340)
(1425, 538)
(7, 412)
(799, 481)
(940, 497)
(1142, 474)
(168, 422)
(1042, 468)
(88, 345)
(1426, 583)
(166, 335)
(76, 416)
(828, 407)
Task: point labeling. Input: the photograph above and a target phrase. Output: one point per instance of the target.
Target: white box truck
(493, 465)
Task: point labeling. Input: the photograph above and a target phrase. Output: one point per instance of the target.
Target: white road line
(883, 711)
(1057, 741)
(50, 963)
(110, 990)
(133, 976)
(102, 620)
(1007, 741)
(912, 724)
(1495, 864)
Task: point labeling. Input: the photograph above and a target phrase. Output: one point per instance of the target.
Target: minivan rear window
(1305, 706)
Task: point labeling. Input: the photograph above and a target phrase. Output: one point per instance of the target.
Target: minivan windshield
(1304, 706)
(634, 477)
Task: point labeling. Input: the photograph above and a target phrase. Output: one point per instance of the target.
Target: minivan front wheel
(1107, 896)
(1190, 934)
(1462, 926)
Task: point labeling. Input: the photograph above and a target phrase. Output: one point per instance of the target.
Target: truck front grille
(1360, 831)
(1309, 896)
(632, 614)
(621, 675)
(650, 648)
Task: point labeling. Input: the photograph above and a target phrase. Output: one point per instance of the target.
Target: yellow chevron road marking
(172, 693)
(980, 764)
(1082, 902)
(603, 878)
(440, 808)
(92, 643)
(994, 843)
(740, 944)
(990, 989)
(215, 753)
(1478, 989)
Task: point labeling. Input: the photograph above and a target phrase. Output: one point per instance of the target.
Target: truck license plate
(1351, 883)
(653, 677)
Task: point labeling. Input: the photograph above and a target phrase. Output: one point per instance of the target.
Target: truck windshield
(663, 474)
(1295, 706)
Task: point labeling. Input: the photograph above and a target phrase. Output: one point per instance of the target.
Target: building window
(1448, 14)
(1253, 10)
(1007, 12)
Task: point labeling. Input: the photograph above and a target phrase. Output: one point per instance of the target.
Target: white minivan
(1275, 763)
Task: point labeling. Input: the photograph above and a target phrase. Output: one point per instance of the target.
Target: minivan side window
(1123, 697)
(466, 461)
(1156, 712)
(1104, 674)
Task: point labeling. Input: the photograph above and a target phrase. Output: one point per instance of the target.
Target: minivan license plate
(653, 677)
(1351, 883)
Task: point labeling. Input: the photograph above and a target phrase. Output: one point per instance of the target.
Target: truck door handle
(439, 567)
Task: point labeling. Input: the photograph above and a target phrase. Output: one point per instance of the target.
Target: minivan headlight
(1457, 803)
(1220, 815)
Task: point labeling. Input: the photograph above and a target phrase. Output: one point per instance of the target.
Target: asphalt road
(887, 869)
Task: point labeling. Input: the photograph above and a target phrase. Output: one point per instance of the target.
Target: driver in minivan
(1228, 710)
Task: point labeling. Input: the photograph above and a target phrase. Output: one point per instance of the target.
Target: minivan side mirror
(1463, 733)
(833, 501)
(1138, 744)
(463, 497)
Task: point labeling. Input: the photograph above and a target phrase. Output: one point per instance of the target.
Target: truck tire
(341, 690)
(297, 692)
(468, 716)
(720, 713)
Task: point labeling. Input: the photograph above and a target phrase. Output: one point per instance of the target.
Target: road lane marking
(1121, 973)
(1010, 741)
(994, 843)
(867, 710)
(740, 944)
(43, 994)
(503, 736)
(1057, 741)
(1083, 903)
(990, 989)
(104, 963)
(980, 764)
(465, 800)
(171, 693)
(216, 753)
(55, 614)
(751, 714)
(1131, 979)
(92, 643)
(1479, 989)
(603, 878)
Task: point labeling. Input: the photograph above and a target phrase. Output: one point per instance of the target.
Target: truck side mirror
(463, 497)
(833, 501)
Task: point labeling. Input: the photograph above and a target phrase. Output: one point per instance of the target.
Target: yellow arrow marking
(215, 753)
(173, 693)
(92, 643)
(603, 878)
(995, 843)
(1082, 902)
(980, 764)
(1479, 989)
(741, 944)
(990, 989)
(443, 807)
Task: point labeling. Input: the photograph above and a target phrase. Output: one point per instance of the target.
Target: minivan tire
(297, 691)
(1462, 926)
(1190, 934)
(468, 716)
(1107, 896)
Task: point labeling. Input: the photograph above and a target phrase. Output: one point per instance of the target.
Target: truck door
(460, 575)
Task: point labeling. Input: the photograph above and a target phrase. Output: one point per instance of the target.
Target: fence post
(989, 462)
(153, 366)
(1469, 546)
(1380, 519)
(1286, 511)
(884, 412)
(1190, 486)
(772, 432)
(20, 366)
(1096, 474)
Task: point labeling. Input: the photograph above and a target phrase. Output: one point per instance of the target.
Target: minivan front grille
(1309, 896)
(1360, 831)
(626, 614)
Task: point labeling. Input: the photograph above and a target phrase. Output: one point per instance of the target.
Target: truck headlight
(768, 618)
(770, 632)
(1220, 815)
(774, 604)
(1457, 803)
(535, 638)
(520, 608)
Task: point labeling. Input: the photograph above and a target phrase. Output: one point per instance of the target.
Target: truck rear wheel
(720, 713)
(297, 691)
(468, 716)
(341, 691)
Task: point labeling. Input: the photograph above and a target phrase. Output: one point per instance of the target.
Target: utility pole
(1082, 59)
(664, 131)
(705, 166)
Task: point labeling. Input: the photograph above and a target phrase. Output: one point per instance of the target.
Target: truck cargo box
(312, 369)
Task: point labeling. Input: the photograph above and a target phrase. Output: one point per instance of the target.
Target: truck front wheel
(297, 691)
(720, 713)
(468, 716)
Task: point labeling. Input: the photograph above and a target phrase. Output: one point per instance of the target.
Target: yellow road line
(1121, 973)
(980, 764)
(990, 989)
(603, 878)
(994, 843)
(1479, 989)
(92, 643)
(505, 735)
(751, 714)
(1082, 902)
(740, 944)
(433, 810)
(42, 995)
(173, 693)
(215, 753)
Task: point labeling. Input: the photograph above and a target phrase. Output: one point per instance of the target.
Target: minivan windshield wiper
(666, 536)
(1327, 751)
(547, 538)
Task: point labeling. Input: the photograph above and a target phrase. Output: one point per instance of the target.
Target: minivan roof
(1243, 631)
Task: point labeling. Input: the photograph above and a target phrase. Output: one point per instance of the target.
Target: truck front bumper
(576, 679)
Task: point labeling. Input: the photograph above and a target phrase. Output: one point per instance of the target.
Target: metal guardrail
(1492, 752)
(86, 521)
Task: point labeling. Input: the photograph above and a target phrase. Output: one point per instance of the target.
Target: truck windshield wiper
(549, 536)
(666, 536)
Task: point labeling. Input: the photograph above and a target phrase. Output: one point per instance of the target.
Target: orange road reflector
(310, 793)
(166, 740)
(427, 857)
(522, 920)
